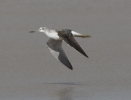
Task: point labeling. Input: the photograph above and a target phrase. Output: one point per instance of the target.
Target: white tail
(75, 34)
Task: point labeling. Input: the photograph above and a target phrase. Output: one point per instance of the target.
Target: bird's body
(55, 43)
(53, 34)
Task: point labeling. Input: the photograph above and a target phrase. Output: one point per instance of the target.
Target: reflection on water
(65, 83)
(65, 93)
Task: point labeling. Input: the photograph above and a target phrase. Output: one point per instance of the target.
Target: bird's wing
(55, 47)
(69, 39)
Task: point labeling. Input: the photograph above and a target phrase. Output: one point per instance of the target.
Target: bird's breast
(53, 35)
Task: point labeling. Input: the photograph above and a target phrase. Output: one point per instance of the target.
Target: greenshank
(54, 44)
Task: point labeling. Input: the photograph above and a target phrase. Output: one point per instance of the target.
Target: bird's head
(41, 29)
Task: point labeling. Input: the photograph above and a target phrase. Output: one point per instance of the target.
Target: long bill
(33, 31)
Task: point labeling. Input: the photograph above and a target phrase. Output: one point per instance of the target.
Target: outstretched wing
(55, 47)
(69, 39)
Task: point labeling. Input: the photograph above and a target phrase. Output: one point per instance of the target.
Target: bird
(54, 44)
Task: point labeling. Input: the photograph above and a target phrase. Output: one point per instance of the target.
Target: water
(29, 72)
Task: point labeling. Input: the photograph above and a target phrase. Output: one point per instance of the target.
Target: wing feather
(55, 47)
(69, 39)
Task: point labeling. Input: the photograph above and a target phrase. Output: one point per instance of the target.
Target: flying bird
(54, 44)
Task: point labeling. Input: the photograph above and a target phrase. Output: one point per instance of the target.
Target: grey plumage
(54, 44)
(69, 39)
(55, 47)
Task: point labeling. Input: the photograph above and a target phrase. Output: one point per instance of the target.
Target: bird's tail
(75, 34)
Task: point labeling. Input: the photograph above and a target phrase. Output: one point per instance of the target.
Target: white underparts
(53, 35)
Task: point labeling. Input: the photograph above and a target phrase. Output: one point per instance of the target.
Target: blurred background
(29, 72)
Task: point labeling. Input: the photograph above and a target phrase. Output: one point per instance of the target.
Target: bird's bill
(33, 31)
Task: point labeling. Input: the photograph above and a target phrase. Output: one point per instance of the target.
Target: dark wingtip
(71, 68)
(86, 55)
